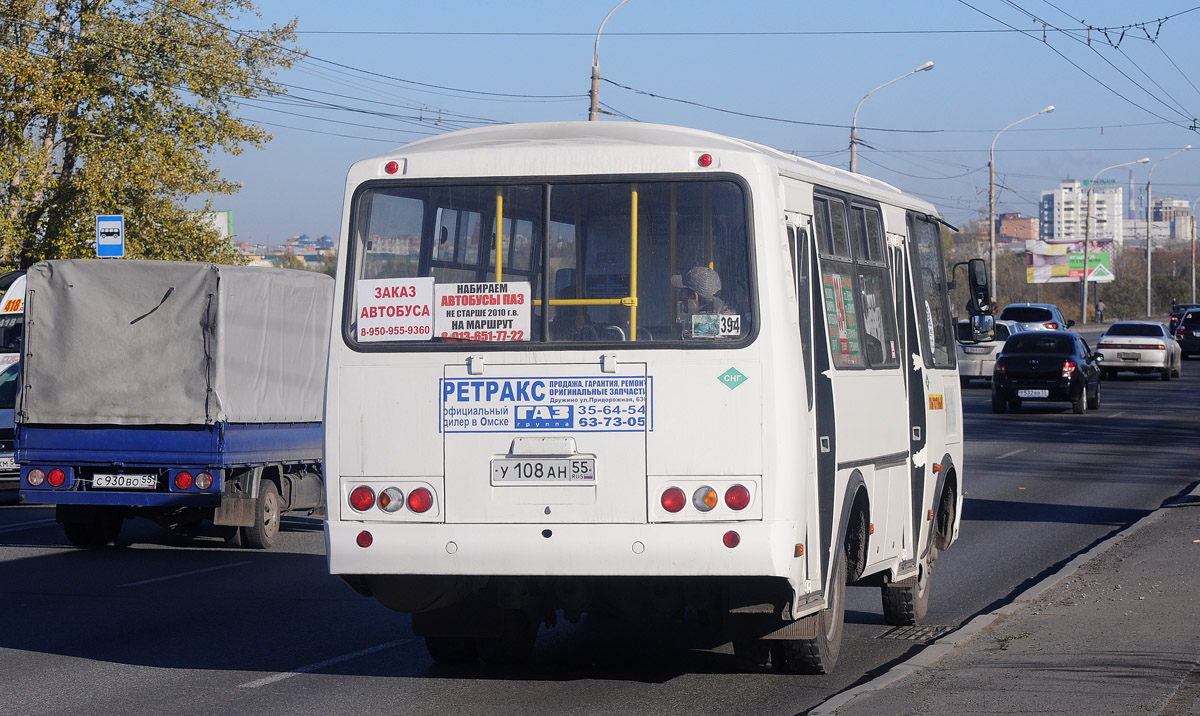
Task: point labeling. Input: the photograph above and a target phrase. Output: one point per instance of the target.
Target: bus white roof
(624, 135)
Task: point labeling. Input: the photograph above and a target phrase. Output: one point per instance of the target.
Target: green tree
(292, 261)
(115, 107)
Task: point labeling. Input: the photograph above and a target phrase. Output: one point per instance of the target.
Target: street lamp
(595, 93)
(1177, 151)
(854, 124)
(992, 193)
(1087, 235)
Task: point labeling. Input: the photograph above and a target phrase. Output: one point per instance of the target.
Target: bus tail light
(731, 539)
(737, 497)
(391, 499)
(56, 478)
(673, 499)
(364, 539)
(362, 498)
(420, 500)
(704, 499)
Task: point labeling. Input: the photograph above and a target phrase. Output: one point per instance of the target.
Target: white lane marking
(1011, 453)
(1070, 432)
(1117, 414)
(31, 525)
(184, 574)
(322, 664)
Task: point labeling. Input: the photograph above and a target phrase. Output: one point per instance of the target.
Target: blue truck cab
(181, 392)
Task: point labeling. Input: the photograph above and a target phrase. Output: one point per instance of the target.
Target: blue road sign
(110, 236)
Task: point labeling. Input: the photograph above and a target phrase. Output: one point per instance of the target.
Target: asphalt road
(184, 624)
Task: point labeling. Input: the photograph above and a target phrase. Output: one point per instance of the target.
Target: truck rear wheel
(98, 529)
(268, 510)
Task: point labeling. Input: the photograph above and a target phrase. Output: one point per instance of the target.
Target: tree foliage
(115, 107)
(1124, 297)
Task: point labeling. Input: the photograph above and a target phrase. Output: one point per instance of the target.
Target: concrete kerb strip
(939, 648)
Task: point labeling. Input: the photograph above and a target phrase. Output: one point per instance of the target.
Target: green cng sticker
(732, 378)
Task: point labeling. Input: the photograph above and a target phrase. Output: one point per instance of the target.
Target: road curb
(944, 645)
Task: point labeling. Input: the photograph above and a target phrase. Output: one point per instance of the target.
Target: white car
(976, 360)
(1141, 347)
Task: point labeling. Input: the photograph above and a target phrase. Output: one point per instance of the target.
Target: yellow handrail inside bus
(633, 263)
(499, 234)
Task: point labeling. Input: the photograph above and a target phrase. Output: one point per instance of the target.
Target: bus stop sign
(110, 236)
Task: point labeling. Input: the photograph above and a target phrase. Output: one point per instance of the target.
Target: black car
(1187, 332)
(1177, 313)
(1046, 366)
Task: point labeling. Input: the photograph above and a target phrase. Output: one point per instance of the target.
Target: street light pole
(1194, 249)
(992, 193)
(1152, 168)
(595, 93)
(1087, 236)
(854, 123)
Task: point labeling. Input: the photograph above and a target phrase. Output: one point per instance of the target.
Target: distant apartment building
(1171, 222)
(1063, 212)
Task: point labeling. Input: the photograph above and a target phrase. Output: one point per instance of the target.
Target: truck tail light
(420, 500)
(56, 478)
(204, 480)
(362, 498)
(183, 479)
(36, 477)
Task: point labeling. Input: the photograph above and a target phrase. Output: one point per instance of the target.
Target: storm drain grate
(916, 633)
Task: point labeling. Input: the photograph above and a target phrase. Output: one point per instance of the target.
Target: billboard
(1062, 262)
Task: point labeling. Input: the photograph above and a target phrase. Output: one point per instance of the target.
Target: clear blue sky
(389, 68)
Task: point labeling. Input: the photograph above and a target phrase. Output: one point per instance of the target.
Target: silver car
(1140, 347)
(1036, 317)
(976, 359)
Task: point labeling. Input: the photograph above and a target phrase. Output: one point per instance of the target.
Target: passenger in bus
(700, 306)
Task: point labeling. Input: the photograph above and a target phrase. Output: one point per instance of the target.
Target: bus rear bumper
(685, 550)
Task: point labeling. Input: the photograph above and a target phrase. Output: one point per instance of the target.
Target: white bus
(643, 369)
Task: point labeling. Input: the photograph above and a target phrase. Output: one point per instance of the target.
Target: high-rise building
(1063, 212)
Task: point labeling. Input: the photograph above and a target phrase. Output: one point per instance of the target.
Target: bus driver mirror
(981, 302)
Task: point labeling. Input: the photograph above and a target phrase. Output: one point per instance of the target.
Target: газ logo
(544, 417)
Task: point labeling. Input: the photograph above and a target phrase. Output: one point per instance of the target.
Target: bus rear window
(614, 262)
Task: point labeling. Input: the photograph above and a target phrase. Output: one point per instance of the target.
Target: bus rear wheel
(819, 655)
(907, 606)
(451, 649)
